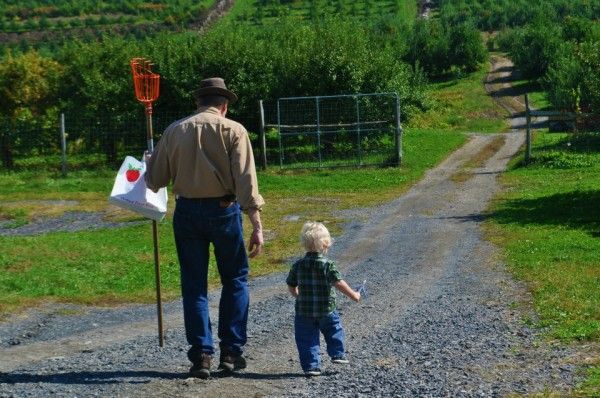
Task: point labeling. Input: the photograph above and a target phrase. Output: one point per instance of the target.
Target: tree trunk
(6, 151)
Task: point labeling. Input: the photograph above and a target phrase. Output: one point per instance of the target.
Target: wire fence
(89, 142)
(301, 132)
(332, 131)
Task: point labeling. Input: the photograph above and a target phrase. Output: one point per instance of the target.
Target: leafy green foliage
(534, 47)
(27, 15)
(269, 11)
(573, 78)
(564, 57)
(439, 48)
(499, 14)
(288, 59)
(28, 95)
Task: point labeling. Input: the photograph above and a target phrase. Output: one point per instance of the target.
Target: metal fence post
(358, 131)
(279, 134)
(63, 145)
(319, 131)
(398, 133)
(263, 139)
(528, 131)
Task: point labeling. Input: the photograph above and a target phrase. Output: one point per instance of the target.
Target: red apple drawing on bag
(132, 174)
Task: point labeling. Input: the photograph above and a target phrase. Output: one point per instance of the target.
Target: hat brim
(230, 95)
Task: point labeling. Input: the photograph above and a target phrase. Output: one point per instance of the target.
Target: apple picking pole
(146, 84)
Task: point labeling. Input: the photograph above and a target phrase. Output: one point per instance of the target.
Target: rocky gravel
(70, 221)
(440, 319)
(443, 318)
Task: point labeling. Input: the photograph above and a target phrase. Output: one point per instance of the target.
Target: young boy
(310, 280)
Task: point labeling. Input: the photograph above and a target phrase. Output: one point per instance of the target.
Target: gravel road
(439, 321)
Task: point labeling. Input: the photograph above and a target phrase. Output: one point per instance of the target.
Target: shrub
(534, 47)
(573, 79)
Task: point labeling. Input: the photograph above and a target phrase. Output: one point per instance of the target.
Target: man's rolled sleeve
(157, 169)
(244, 173)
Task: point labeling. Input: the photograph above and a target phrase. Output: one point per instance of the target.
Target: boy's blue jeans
(196, 224)
(307, 338)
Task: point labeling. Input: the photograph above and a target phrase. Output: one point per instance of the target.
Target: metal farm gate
(337, 131)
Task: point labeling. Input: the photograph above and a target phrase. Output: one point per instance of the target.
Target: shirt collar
(314, 254)
(209, 109)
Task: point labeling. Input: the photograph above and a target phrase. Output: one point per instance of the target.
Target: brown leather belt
(224, 201)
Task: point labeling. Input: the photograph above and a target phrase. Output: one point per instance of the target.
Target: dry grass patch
(479, 160)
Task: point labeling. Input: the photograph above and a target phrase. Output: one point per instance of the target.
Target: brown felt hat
(215, 86)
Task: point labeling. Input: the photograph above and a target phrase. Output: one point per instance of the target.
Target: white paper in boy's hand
(362, 289)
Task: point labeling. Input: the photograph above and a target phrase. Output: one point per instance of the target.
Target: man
(209, 160)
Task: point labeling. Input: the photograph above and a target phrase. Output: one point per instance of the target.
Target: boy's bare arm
(343, 287)
(293, 290)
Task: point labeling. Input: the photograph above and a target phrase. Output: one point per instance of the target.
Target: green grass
(537, 96)
(110, 266)
(547, 220)
(61, 15)
(463, 105)
(591, 386)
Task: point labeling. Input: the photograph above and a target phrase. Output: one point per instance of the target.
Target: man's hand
(256, 243)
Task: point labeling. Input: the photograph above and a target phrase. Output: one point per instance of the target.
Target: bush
(438, 48)
(281, 60)
(573, 79)
(534, 47)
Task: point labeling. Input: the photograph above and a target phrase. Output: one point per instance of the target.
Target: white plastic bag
(130, 191)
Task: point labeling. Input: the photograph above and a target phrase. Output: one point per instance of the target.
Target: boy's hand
(361, 290)
(357, 296)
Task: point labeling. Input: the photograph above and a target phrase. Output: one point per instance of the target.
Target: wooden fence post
(63, 145)
(398, 138)
(263, 139)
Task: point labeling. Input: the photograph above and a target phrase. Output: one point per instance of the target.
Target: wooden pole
(398, 140)
(263, 139)
(161, 337)
(63, 145)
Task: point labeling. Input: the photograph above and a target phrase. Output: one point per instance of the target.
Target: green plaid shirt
(314, 275)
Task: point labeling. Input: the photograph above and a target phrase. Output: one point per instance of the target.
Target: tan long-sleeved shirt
(206, 156)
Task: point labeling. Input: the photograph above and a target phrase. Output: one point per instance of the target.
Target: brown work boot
(201, 366)
(230, 362)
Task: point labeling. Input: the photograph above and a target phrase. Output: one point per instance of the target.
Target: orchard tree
(28, 94)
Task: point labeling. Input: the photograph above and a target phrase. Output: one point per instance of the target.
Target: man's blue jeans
(307, 338)
(196, 224)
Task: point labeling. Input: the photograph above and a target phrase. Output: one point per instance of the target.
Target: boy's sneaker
(313, 372)
(230, 362)
(201, 367)
(340, 360)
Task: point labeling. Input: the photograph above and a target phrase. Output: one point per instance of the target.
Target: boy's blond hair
(315, 237)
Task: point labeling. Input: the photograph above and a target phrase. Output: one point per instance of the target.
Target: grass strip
(547, 220)
(479, 160)
(462, 104)
(110, 266)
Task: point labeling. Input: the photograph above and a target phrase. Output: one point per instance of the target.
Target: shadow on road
(576, 210)
(143, 376)
(259, 376)
(109, 377)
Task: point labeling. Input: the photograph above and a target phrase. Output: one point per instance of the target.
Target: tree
(28, 93)
(466, 49)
